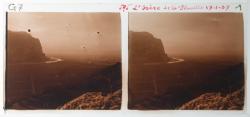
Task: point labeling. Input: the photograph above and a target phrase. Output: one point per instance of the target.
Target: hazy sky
(72, 33)
(193, 33)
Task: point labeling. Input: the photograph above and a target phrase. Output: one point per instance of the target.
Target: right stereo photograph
(186, 61)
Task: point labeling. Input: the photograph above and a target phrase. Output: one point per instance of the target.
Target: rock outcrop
(215, 101)
(22, 47)
(95, 100)
(145, 48)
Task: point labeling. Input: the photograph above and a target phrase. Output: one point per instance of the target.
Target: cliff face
(145, 48)
(22, 47)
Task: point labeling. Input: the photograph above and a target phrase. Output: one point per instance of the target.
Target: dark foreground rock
(95, 100)
(215, 101)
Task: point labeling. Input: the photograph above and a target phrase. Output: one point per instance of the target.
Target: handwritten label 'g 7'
(15, 7)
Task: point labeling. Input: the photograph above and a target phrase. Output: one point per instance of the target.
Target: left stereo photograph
(63, 60)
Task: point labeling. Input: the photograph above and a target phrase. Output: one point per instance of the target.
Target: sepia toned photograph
(57, 60)
(186, 61)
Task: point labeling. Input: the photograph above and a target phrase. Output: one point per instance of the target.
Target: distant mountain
(145, 48)
(22, 47)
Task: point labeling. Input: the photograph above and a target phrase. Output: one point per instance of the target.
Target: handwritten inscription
(172, 7)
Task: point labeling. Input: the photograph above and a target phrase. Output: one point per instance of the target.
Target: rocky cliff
(22, 47)
(145, 48)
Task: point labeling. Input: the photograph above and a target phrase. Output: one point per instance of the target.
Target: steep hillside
(103, 92)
